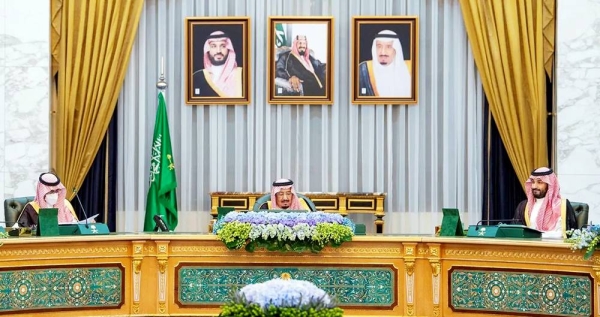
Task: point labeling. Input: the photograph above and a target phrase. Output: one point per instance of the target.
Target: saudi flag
(280, 39)
(162, 198)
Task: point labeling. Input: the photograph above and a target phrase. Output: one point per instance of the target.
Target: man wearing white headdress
(386, 75)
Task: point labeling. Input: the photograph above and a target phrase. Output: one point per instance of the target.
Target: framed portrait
(385, 59)
(217, 60)
(300, 60)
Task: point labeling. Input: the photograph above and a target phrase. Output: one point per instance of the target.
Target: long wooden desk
(192, 274)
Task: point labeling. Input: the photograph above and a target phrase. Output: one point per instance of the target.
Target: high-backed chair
(262, 200)
(13, 207)
(582, 211)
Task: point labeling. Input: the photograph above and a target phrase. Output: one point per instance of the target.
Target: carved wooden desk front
(179, 274)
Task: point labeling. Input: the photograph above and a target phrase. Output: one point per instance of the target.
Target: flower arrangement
(281, 297)
(283, 231)
(586, 238)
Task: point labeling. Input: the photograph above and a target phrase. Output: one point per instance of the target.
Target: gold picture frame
(391, 39)
(292, 76)
(214, 41)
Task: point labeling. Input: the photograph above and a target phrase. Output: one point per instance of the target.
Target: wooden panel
(375, 275)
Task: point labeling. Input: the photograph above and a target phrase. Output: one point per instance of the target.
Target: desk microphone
(499, 221)
(160, 224)
(82, 209)
(19, 217)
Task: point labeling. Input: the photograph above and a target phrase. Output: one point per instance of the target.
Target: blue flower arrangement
(586, 238)
(283, 231)
(281, 297)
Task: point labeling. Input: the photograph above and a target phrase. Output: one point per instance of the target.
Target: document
(81, 222)
(89, 220)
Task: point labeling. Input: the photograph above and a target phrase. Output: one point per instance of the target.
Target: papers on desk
(82, 222)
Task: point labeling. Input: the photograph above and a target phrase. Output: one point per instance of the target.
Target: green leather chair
(582, 211)
(259, 202)
(13, 207)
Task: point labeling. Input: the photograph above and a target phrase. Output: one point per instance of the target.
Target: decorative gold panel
(237, 203)
(360, 204)
(325, 203)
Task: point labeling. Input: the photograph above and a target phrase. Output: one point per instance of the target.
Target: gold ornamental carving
(198, 249)
(410, 268)
(162, 249)
(223, 249)
(410, 310)
(409, 250)
(597, 273)
(436, 311)
(136, 308)
(434, 250)
(64, 251)
(162, 266)
(511, 254)
(162, 308)
(435, 268)
(138, 249)
(422, 251)
(137, 266)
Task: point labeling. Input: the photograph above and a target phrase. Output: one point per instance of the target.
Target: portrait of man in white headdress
(300, 60)
(385, 60)
(217, 60)
(386, 75)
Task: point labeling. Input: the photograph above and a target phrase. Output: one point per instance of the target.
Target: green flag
(162, 198)
(280, 39)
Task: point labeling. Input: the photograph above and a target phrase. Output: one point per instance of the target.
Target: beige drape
(507, 42)
(91, 43)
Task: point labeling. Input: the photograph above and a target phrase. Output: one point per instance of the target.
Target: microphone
(82, 209)
(160, 224)
(21, 224)
(499, 221)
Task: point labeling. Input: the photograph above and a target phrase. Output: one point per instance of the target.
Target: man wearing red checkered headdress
(284, 196)
(544, 209)
(221, 76)
(50, 193)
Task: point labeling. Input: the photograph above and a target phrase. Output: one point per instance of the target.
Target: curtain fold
(549, 24)
(94, 44)
(55, 22)
(507, 42)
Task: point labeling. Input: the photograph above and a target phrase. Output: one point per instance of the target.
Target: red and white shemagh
(64, 214)
(226, 81)
(295, 202)
(550, 209)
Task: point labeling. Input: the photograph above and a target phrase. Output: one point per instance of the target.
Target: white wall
(578, 102)
(24, 95)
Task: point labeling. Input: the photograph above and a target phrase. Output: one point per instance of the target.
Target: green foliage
(254, 310)
(236, 234)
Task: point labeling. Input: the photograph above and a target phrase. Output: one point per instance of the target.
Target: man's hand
(295, 82)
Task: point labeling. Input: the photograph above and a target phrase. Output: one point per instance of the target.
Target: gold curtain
(507, 42)
(549, 24)
(91, 44)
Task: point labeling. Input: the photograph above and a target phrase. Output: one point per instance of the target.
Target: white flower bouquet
(281, 297)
